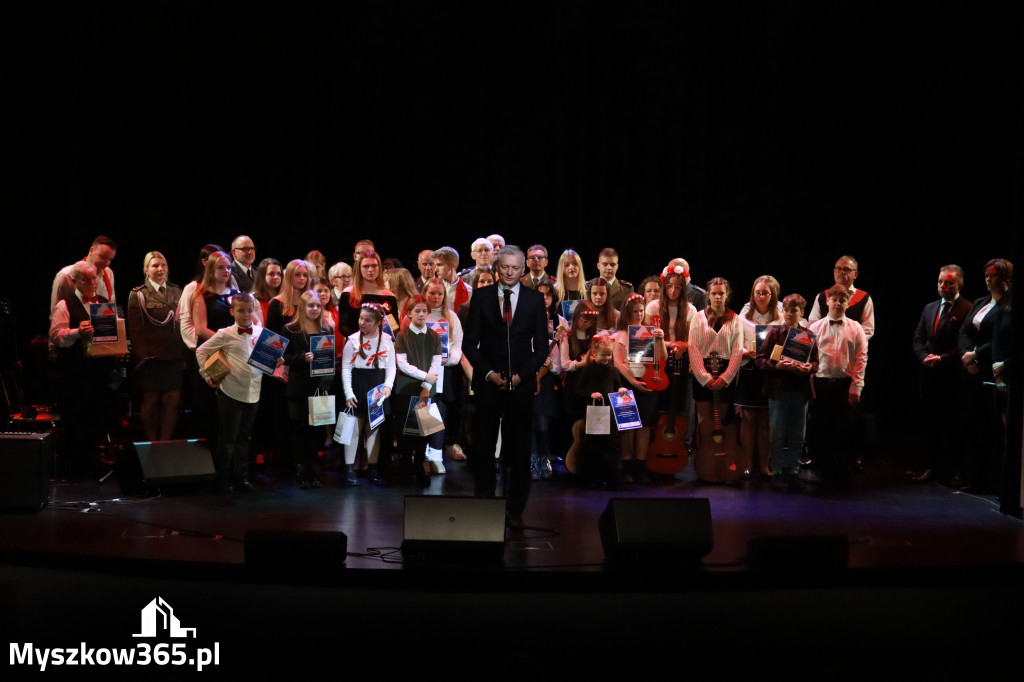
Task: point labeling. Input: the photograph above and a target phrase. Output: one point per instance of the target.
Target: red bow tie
(94, 299)
(245, 330)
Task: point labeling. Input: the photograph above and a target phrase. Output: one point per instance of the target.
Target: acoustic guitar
(717, 457)
(578, 431)
(668, 453)
(655, 377)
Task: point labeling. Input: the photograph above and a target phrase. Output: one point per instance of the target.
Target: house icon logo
(158, 620)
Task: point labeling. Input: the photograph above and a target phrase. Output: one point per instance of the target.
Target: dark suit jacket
(941, 341)
(979, 339)
(484, 341)
(242, 281)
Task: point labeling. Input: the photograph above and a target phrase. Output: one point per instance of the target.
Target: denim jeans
(787, 419)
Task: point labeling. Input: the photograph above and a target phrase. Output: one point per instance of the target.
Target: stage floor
(928, 566)
(889, 522)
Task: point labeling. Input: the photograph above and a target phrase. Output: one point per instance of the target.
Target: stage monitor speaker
(25, 460)
(289, 553)
(146, 465)
(450, 527)
(665, 530)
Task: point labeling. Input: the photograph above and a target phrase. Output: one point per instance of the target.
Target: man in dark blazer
(935, 345)
(506, 353)
(243, 256)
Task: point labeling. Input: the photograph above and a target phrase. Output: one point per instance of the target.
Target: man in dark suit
(506, 342)
(243, 255)
(935, 345)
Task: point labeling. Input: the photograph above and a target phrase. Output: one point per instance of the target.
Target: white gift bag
(599, 419)
(346, 426)
(321, 409)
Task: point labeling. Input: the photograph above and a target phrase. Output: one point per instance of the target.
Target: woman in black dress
(305, 440)
(367, 287)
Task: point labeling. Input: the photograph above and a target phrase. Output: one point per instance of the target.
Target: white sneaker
(436, 468)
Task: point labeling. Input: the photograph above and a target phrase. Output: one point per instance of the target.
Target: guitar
(578, 430)
(545, 369)
(654, 375)
(668, 453)
(716, 460)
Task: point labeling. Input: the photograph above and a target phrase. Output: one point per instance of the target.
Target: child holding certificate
(305, 440)
(418, 351)
(787, 384)
(238, 393)
(597, 461)
(368, 361)
(635, 442)
(452, 391)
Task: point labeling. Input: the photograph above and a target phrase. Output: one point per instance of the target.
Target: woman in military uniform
(157, 355)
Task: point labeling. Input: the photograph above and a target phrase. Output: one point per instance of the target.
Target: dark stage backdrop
(748, 139)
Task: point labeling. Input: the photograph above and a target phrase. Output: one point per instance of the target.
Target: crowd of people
(512, 369)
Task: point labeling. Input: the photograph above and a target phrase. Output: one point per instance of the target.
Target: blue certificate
(441, 327)
(568, 308)
(375, 405)
(798, 345)
(641, 344)
(269, 347)
(625, 411)
(103, 318)
(322, 348)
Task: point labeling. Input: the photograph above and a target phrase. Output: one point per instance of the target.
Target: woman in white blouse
(720, 330)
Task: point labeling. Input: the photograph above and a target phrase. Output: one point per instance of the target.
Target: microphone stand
(508, 336)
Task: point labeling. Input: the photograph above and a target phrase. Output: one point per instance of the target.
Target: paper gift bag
(599, 419)
(321, 409)
(429, 419)
(346, 426)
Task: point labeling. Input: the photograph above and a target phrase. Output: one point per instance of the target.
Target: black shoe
(225, 487)
(373, 475)
(350, 475)
(300, 477)
(243, 485)
(515, 523)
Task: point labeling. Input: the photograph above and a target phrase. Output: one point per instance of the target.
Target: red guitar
(717, 457)
(668, 453)
(654, 375)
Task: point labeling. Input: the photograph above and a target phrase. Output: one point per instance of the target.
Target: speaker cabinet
(448, 526)
(665, 530)
(145, 466)
(25, 470)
